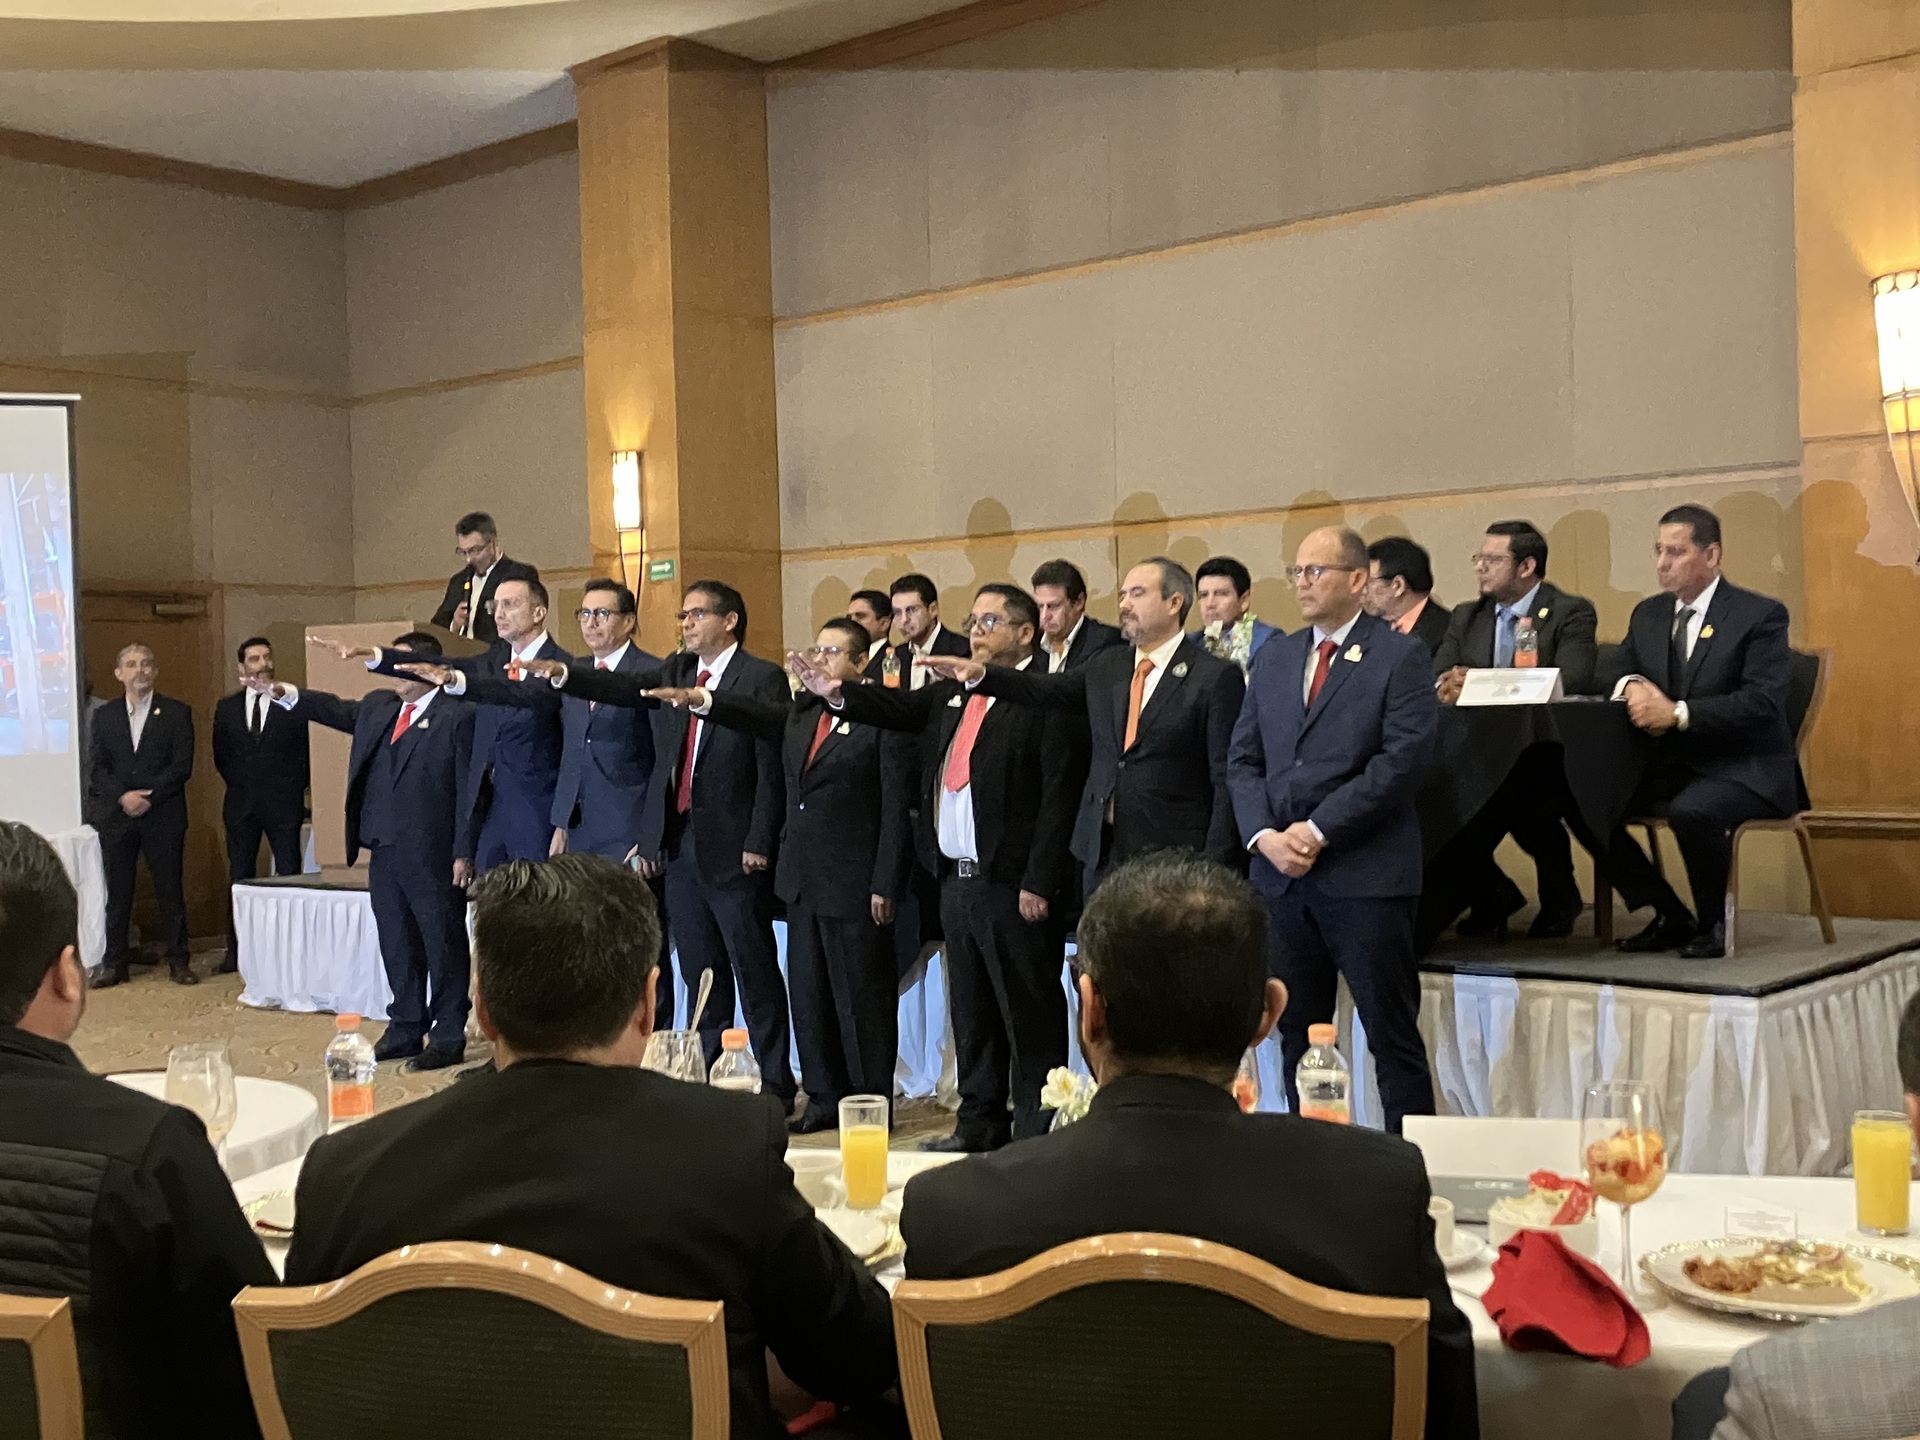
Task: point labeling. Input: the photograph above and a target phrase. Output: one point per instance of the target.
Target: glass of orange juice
(1882, 1171)
(863, 1149)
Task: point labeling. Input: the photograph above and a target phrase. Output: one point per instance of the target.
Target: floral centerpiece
(1066, 1094)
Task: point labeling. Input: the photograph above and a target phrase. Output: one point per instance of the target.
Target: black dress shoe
(395, 1047)
(230, 965)
(814, 1121)
(1480, 925)
(1555, 923)
(432, 1059)
(182, 974)
(1667, 932)
(113, 975)
(958, 1144)
(1709, 944)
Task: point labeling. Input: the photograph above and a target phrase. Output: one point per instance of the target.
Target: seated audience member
(1225, 602)
(1173, 988)
(107, 1196)
(1844, 1378)
(1704, 668)
(1400, 591)
(574, 1152)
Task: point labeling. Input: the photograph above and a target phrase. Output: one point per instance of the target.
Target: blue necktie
(1503, 642)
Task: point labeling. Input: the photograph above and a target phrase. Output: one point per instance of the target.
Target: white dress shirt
(918, 675)
(1320, 637)
(477, 589)
(137, 712)
(1696, 622)
(1161, 656)
(716, 669)
(1057, 659)
(529, 651)
(954, 825)
(614, 657)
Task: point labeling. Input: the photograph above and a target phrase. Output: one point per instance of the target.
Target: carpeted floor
(131, 1027)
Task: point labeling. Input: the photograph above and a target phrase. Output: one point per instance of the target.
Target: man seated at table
(110, 1197)
(1704, 669)
(1850, 1377)
(1173, 989)
(574, 1152)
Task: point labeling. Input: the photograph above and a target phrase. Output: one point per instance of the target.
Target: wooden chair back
(1141, 1336)
(468, 1339)
(39, 1370)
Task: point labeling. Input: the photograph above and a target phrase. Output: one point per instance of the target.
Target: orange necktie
(821, 729)
(960, 758)
(1136, 694)
(1320, 669)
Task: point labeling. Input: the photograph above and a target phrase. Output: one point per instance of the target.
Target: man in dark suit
(872, 611)
(1160, 711)
(1223, 589)
(916, 615)
(1400, 591)
(411, 745)
(997, 790)
(1173, 989)
(575, 1153)
(261, 754)
(467, 607)
(1332, 744)
(1069, 637)
(1705, 668)
(713, 814)
(1532, 803)
(141, 756)
(849, 796)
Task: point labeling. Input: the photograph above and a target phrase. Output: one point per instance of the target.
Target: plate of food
(864, 1232)
(1557, 1204)
(271, 1215)
(1788, 1280)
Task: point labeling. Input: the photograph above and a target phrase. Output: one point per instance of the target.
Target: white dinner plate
(272, 1215)
(1888, 1274)
(1468, 1249)
(864, 1232)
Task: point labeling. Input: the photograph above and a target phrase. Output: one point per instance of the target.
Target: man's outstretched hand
(953, 667)
(813, 677)
(342, 650)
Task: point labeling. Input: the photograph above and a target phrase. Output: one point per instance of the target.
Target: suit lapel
(1337, 672)
(404, 747)
(1481, 635)
(1715, 617)
(1179, 664)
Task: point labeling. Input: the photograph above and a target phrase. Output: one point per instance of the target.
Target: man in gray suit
(1851, 1379)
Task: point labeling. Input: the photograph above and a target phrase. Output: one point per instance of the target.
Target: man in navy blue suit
(411, 745)
(1333, 741)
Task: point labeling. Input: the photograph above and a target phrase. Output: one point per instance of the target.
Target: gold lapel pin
(1706, 632)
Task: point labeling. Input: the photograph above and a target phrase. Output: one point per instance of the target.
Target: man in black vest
(261, 753)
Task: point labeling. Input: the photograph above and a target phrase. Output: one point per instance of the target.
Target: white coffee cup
(1441, 1209)
(816, 1175)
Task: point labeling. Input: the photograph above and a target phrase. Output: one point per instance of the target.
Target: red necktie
(1320, 669)
(960, 758)
(683, 797)
(822, 728)
(403, 722)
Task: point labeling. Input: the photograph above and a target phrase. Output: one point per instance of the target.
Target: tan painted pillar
(1857, 215)
(678, 310)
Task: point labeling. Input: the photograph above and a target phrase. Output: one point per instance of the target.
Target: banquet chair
(1142, 1336)
(1807, 672)
(39, 1370)
(459, 1338)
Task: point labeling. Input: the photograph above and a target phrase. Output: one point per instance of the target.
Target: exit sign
(658, 570)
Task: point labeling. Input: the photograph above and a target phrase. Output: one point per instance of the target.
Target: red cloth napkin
(1545, 1297)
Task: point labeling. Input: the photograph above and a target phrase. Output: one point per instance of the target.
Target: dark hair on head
(1400, 559)
(1908, 1046)
(418, 641)
(1527, 542)
(623, 600)
(240, 654)
(1228, 569)
(39, 916)
(917, 584)
(1066, 575)
(476, 522)
(565, 950)
(1176, 944)
(1704, 524)
(1022, 608)
(880, 602)
(1175, 579)
(536, 590)
(855, 634)
(726, 601)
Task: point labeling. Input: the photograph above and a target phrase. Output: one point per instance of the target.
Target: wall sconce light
(1896, 315)
(626, 491)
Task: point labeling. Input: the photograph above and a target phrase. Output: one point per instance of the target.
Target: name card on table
(1537, 686)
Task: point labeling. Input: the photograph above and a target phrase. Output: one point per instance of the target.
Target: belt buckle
(966, 869)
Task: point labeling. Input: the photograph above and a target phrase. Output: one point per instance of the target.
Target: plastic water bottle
(350, 1066)
(736, 1068)
(890, 668)
(1322, 1078)
(1526, 645)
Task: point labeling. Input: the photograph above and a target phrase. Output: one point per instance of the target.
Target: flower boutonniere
(1706, 632)
(1066, 1094)
(1353, 652)
(1180, 670)
(424, 722)
(1543, 612)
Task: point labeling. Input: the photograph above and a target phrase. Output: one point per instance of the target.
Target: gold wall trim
(78, 376)
(1282, 514)
(502, 155)
(1654, 161)
(923, 36)
(467, 382)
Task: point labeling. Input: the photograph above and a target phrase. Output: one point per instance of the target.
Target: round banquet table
(277, 1122)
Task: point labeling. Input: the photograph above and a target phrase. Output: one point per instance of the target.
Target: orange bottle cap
(346, 1022)
(1322, 1034)
(733, 1039)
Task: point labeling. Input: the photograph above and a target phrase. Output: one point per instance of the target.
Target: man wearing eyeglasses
(467, 607)
(997, 790)
(1331, 746)
(1511, 565)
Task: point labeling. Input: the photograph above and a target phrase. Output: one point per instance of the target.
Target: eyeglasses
(470, 552)
(697, 613)
(1312, 573)
(825, 652)
(980, 624)
(1488, 562)
(597, 613)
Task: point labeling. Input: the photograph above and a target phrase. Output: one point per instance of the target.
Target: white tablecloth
(79, 851)
(277, 1122)
(309, 949)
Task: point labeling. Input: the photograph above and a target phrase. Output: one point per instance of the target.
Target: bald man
(1332, 743)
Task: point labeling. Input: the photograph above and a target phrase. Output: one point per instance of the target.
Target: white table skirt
(276, 1123)
(309, 949)
(79, 851)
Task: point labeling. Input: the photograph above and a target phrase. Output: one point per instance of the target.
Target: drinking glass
(677, 1054)
(200, 1078)
(1625, 1151)
(1882, 1171)
(863, 1149)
